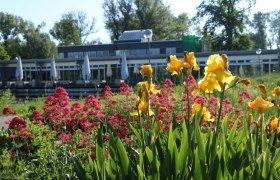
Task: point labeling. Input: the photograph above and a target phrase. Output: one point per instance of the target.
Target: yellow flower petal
(190, 61)
(276, 91)
(263, 89)
(175, 66)
(273, 123)
(260, 104)
(147, 70)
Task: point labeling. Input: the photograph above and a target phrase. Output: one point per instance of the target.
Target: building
(138, 49)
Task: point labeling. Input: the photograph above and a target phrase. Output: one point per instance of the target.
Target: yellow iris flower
(247, 82)
(276, 91)
(147, 70)
(208, 84)
(152, 87)
(260, 104)
(190, 61)
(142, 108)
(175, 66)
(205, 115)
(218, 65)
(262, 87)
(273, 123)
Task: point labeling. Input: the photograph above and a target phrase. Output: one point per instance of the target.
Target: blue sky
(50, 11)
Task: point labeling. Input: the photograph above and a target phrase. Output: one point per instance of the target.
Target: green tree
(259, 25)
(3, 53)
(181, 25)
(243, 42)
(11, 27)
(11, 31)
(22, 38)
(73, 28)
(224, 21)
(125, 15)
(119, 16)
(274, 28)
(38, 45)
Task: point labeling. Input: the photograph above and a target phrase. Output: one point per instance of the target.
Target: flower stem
(220, 110)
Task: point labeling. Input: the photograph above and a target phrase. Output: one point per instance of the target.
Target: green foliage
(274, 28)
(6, 99)
(259, 24)
(130, 15)
(38, 45)
(22, 38)
(73, 29)
(3, 53)
(225, 22)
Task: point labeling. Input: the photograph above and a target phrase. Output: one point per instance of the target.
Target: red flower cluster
(37, 118)
(120, 125)
(106, 92)
(213, 106)
(244, 95)
(18, 124)
(163, 103)
(18, 133)
(64, 137)
(107, 96)
(125, 89)
(227, 107)
(8, 111)
(57, 105)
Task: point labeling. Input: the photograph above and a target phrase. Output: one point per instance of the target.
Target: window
(61, 55)
(137, 52)
(112, 53)
(154, 51)
(170, 51)
(91, 53)
(102, 53)
(75, 55)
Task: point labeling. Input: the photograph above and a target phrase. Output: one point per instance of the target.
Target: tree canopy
(3, 53)
(123, 15)
(224, 21)
(38, 44)
(274, 27)
(259, 25)
(73, 29)
(19, 37)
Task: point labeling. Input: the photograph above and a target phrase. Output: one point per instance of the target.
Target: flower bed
(155, 133)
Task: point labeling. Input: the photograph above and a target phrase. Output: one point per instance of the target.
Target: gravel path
(3, 119)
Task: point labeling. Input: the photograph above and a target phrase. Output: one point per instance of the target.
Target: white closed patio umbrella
(109, 71)
(86, 69)
(124, 68)
(241, 71)
(135, 70)
(53, 70)
(19, 71)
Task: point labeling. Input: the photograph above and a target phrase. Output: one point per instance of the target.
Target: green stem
(220, 110)
(188, 101)
(257, 140)
(215, 136)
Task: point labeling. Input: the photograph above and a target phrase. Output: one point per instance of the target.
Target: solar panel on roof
(132, 35)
